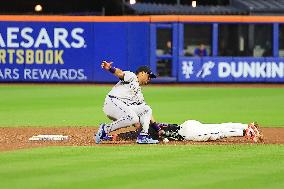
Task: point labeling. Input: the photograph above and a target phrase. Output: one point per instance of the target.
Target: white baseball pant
(196, 131)
(126, 114)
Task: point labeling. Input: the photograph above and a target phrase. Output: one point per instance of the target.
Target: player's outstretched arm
(115, 71)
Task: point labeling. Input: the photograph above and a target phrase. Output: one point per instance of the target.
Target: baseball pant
(196, 131)
(126, 114)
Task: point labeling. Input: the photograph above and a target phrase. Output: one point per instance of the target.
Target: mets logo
(188, 69)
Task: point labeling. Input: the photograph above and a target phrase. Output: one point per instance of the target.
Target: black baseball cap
(147, 70)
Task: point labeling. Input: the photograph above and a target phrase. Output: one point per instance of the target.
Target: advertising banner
(223, 69)
(35, 51)
(44, 52)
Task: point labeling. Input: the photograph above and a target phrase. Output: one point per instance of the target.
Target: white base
(48, 138)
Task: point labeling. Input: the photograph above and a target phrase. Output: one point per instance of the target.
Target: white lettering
(278, 69)
(51, 74)
(268, 69)
(260, 70)
(27, 74)
(249, 69)
(63, 73)
(224, 70)
(60, 35)
(79, 38)
(45, 74)
(16, 74)
(9, 74)
(43, 38)
(2, 43)
(27, 37)
(11, 35)
(237, 70)
(25, 33)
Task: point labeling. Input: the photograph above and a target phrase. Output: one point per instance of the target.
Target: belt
(127, 103)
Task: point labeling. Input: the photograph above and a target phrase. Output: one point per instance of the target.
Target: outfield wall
(70, 49)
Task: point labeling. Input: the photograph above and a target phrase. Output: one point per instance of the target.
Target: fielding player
(195, 131)
(125, 103)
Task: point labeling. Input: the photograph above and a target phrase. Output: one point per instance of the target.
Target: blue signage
(73, 51)
(231, 69)
(46, 52)
(70, 51)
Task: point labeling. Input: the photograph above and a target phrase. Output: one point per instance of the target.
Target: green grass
(141, 166)
(232, 167)
(81, 105)
(51, 105)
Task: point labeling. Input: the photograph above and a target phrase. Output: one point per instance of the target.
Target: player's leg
(193, 130)
(203, 132)
(144, 113)
(250, 131)
(233, 129)
(123, 114)
(227, 129)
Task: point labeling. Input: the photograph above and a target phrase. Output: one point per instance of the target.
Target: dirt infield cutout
(18, 138)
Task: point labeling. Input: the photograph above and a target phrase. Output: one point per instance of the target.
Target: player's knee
(106, 111)
(133, 118)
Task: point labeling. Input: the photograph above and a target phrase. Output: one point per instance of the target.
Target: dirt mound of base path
(18, 138)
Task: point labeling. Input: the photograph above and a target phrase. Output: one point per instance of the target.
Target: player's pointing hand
(106, 65)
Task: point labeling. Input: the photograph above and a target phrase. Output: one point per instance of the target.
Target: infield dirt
(18, 138)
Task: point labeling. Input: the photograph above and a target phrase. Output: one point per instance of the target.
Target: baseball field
(76, 111)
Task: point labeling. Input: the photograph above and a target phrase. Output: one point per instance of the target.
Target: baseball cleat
(107, 138)
(110, 137)
(99, 136)
(253, 132)
(145, 139)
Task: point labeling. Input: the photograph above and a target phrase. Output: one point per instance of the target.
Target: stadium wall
(70, 49)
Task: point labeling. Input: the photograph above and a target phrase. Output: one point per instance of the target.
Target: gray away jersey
(128, 90)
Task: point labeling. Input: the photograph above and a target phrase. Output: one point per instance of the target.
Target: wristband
(112, 69)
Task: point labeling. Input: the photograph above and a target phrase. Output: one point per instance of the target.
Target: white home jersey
(128, 89)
